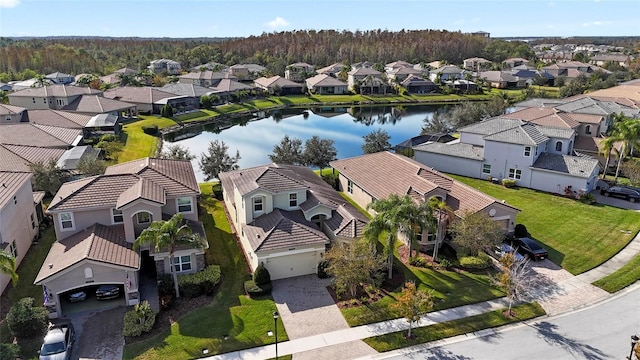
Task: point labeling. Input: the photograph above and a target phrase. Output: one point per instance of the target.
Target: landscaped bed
(578, 236)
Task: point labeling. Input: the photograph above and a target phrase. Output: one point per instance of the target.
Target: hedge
(254, 290)
(192, 285)
(482, 261)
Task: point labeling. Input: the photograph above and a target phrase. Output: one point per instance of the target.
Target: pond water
(255, 137)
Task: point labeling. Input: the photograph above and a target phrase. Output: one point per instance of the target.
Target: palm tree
(437, 204)
(420, 217)
(627, 131)
(395, 214)
(8, 266)
(607, 146)
(167, 236)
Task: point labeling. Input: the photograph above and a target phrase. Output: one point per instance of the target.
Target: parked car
(529, 248)
(622, 192)
(77, 296)
(105, 292)
(58, 343)
(504, 249)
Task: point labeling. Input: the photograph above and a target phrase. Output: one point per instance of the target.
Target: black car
(622, 192)
(529, 248)
(58, 343)
(105, 292)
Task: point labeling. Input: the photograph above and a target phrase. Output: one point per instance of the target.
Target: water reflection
(255, 137)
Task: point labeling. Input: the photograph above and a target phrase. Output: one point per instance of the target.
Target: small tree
(177, 152)
(512, 278)
(9, 351)
(205, 102)
(289, 151)
(413, 303)
(376, 141)
(261, 275)
(631, 169)
(8, 266)
(476, 232)
(319, 152)
(48, 176)
(353, 266)
(166, 111)
(26, 320)
(91, 166)
(217, 160)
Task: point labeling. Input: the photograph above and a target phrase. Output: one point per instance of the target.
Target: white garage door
(291, 265)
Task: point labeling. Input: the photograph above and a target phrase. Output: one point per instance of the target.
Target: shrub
(331, 179)
(166, 301)
(109, 137)
(165, 285)
(26, 320)
(261, 276)
(254, 290)
(418, 262)
(508, 183)
(202, 282)
(166, 111)
(322, 269)
(445, 263)
(139, 320)
(589, 199)
(520, 231)
(150, 129)
(217, 191)
(9, 351)
(482, 261)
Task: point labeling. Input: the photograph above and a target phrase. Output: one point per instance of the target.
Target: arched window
(88, 273)
(587, 129)
(559, 146)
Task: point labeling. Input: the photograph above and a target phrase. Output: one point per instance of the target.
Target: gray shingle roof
(526, 134)
(456, 149)
(572, 165)
(491, 126)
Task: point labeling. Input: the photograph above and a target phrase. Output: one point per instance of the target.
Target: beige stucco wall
(501, 213)
(358, 195)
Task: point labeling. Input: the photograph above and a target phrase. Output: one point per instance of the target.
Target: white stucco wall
(450, 164)
(555, 182)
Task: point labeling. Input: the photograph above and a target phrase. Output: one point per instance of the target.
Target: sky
(242, 18)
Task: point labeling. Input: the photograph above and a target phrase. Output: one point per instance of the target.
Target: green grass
(196, 115)
(450, 289)
(137, 143)
(352, 202)
(579, 237)
(245, 320)
(448, 329)
(623, 277)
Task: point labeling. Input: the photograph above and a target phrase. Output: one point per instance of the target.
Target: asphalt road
(599, 332)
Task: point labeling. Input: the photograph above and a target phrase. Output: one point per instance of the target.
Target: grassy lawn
(579, 237)
(448, 329)
(450, 289)
(137, 143)
(244, 320)
(625, 276)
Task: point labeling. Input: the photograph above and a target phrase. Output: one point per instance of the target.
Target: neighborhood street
(602, 331)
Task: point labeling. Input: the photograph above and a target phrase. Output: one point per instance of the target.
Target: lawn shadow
(549, 333)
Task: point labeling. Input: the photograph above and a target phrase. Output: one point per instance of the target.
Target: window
(257, 204)
(143, 217)
(66, 221)
(8, 118)
(527, 151)
(350, 186)
(12, 249)
(293, 200)
(15, 200)
(45, 100)
(88, 273)
(184, 204)
(33, 221)
(34, 100)
(182, 263)
(486, 168)
(587, 130)
(515, 174)
(116, 216)
(559, 146)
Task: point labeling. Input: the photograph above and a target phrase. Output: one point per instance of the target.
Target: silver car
(58, 343)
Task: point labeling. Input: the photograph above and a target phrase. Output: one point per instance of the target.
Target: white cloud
(551, 26)
(9, 3)
(275, 23)
(595, 23)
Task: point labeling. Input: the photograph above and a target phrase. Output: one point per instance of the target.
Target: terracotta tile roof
(92, 192)
(176, 176)
(104, 244)
(281, 229)
(29, 155)
(409, 176)
(94, 104)
(138, 95)
(29, 135)
(142, 189)
(64, 119)
(10, 183)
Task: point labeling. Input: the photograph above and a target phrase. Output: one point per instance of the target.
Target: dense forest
(273, 50)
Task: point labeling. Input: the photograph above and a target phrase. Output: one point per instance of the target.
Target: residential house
(421, 139)
(360, 179)
(400, 73)
(367, 80)
(618, 59)
(510, 63)
(114, 78)
(98, 104)
(150, 99)
(417, 85)
(278, 85)
(286, 216)
(447, 73)
(483, 34)
(501, 79)
(97, 220)
(572, 69)
(204, 78)
(362, 64)
(37, 135)
(89, 125)
(60, 78)
(186, 89)
(171, 67)
(226, 88)
(331, 70)
(324, 84)
(537, 157)
(299, 71)
(19, 218)
(476, 64)
(20, 157)
(49, 97)
(10, 114)
(397, 64)
(241, 72)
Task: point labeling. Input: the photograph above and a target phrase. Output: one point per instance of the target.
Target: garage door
(291, 265)
(504, 224)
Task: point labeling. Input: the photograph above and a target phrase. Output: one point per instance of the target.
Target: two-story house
(97, 220)
(20, 212)
(165, 65)
(285, 216)
(205, 78)
(447, 73)
(332, 70)
(476, 64)
(324, 84)
(359, 179)
(60, 78)
(49, 97)
(367, 79)
(299, 71)
(537, 157)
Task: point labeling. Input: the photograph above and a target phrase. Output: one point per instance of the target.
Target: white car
(504, 248)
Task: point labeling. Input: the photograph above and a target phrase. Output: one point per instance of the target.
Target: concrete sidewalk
(569, 294)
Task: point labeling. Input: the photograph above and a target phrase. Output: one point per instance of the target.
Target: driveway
(611, 201)
(99, 334)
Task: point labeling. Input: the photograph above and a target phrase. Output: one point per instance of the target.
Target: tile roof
(10, 109)
(177, 176)
(138, 95)
(12, 162)
(462, 150)
(94, 104)
(265, 177)
(207, 75)
(409, 176)
(364, 71)
(230, 85)
(142, 189)
(399, 63)
(415, 80)
(10, 183)
(55, 91)
(29, 135)
(183, 89)
(344, 224)
(65, 119)
(324, 80)
(69, 136)
(18, 157)
(334, 68)
(526, 134)
(561, 120)
(491, 126)
(537, 102)
(554, 132)
(104, 244)
(530, 113)
(572, 165)
(498, 76)
(281, 229)
(276, 81)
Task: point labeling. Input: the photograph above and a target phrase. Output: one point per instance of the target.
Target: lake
(255, 137)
